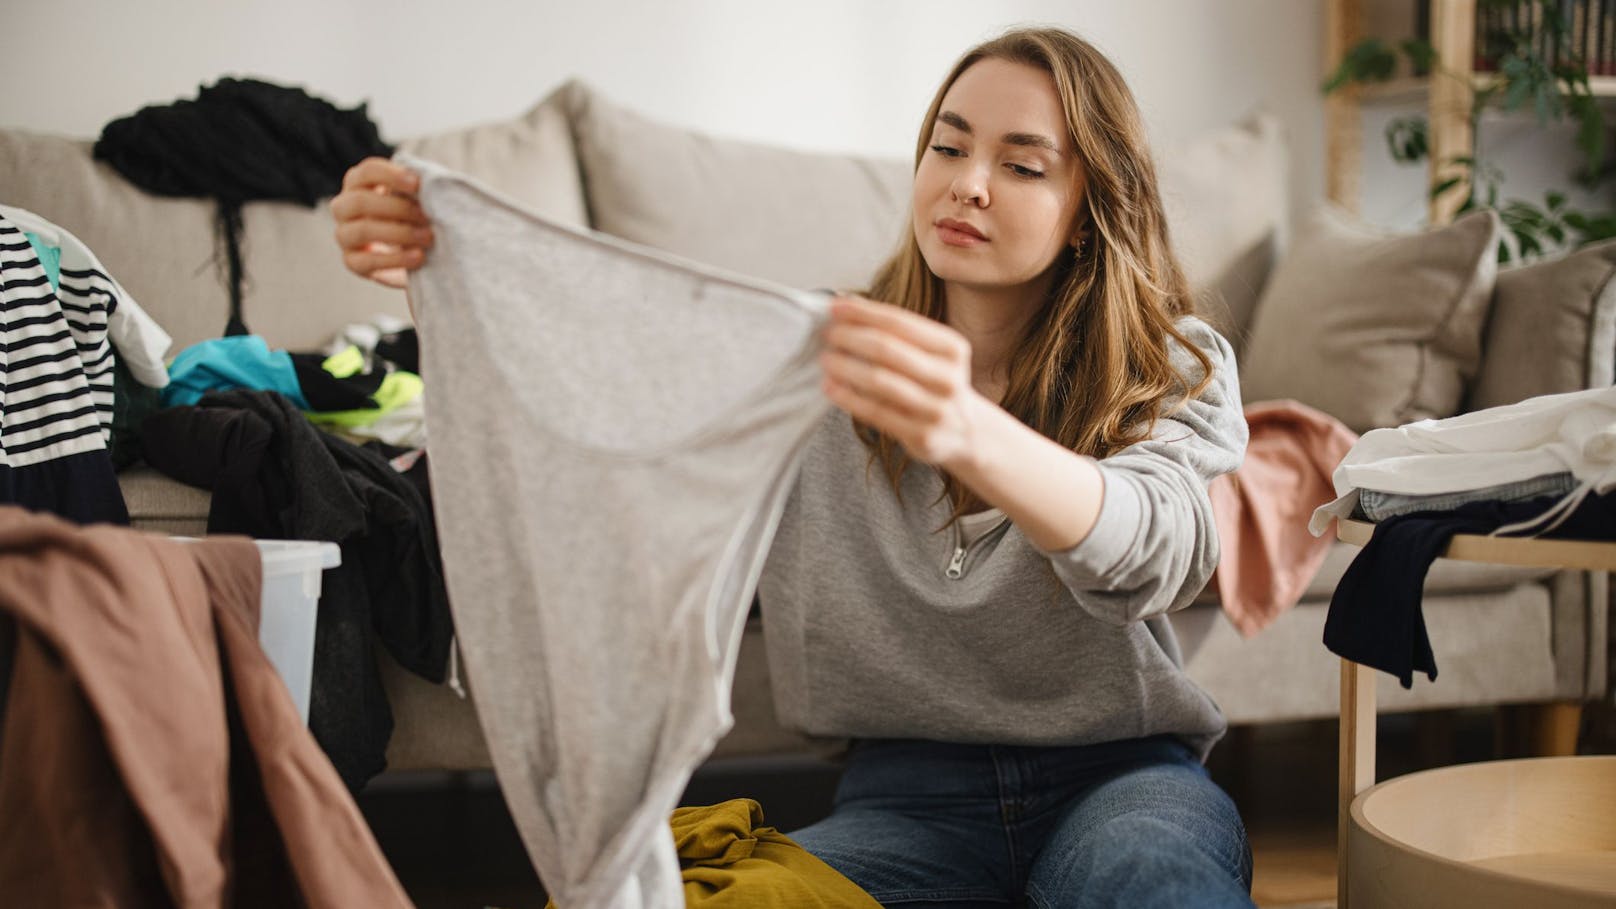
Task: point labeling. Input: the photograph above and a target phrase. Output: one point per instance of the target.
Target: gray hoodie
(869, 636)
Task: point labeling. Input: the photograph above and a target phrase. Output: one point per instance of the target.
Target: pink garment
(1261, 510)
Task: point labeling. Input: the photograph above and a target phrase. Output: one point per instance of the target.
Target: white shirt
(1574, 432)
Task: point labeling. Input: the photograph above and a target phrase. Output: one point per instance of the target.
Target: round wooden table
(1357, 738)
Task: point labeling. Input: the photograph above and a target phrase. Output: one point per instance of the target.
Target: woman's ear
(1080, 240)
(1080, 231)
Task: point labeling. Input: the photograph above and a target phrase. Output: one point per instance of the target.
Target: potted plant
(1533, 63)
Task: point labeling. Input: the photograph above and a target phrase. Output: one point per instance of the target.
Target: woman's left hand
(904, 374)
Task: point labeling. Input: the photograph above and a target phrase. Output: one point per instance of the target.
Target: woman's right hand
(381, 228)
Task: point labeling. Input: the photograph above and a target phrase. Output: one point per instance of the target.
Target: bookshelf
(1451, 26)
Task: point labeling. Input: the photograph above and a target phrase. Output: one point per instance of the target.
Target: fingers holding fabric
(381, 229)
(902, 373)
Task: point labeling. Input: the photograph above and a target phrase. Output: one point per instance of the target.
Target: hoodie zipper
(956, 564)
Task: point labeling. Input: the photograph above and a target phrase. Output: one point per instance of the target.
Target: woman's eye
(947, 151)
(1020, 171)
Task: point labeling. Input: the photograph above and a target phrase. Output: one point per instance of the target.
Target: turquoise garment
(239, 361)
(49, 256)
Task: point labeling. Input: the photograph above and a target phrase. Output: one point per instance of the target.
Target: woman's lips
(953, 236)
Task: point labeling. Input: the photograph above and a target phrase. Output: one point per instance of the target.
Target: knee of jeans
(1130, 842)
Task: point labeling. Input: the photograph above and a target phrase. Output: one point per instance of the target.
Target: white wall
(1532, 158)
(849, 75)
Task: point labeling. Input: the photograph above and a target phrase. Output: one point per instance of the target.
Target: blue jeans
(1133, 823)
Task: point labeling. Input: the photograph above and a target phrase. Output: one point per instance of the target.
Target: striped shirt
(55, 358)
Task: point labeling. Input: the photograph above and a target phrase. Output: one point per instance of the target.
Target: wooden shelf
(1587, 555)
(1417, 89)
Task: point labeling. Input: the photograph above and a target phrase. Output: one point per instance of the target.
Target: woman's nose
(970, 187)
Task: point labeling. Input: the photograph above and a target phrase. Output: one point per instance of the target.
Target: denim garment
(1134, 823)
(1378, 506)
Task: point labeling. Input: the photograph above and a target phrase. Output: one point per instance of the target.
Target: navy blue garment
(79, 487)
(1375, 616)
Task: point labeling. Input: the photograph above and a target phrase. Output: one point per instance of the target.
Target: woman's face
(998, 192)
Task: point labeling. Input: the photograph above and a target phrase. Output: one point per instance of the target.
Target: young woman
(971, 576)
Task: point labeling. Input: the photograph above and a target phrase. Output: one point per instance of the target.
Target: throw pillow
(298, 294)
(1552, 329)
(800, 218)
(1225, 193)
(1372, 328)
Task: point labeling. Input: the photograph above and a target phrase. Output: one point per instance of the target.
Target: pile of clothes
(240, 425)
(1545, 467)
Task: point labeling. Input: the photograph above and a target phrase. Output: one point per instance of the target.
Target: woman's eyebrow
(1029, 139)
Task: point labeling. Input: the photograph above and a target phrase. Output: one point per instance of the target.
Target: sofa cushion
(297, 292)
(1372, 328)
(803, 219)
(1225, 195)
(1491, 647)
(435, 729)
(162, 505)
(1552, 329)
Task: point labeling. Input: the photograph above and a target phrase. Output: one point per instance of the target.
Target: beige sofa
(818, 220)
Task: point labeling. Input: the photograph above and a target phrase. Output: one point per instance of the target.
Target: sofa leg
(1539, 730)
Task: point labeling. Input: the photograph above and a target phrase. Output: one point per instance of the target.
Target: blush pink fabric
(1261, 510)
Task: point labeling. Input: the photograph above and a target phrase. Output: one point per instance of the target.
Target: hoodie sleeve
(1154, 545)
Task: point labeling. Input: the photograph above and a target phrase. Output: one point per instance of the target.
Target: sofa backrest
(802, 218)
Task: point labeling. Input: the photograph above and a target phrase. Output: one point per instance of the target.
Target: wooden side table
(1357, 738)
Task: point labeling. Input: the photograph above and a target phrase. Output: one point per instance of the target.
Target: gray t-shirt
(869, 635)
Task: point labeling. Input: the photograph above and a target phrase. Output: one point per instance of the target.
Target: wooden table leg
(1356, 758)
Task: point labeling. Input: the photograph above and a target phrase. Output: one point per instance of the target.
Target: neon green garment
(344, 364)
(397, 389)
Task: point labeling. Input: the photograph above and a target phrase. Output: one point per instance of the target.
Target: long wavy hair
(1092, 370)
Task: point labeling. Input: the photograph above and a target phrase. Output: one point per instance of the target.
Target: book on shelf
(1587, 33)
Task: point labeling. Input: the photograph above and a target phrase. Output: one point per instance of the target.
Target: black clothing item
(275, 475)
(1375, 616)
(83, 488)
(326, 392)
(132, 403)
(416, 472)
(402, 349)
(240, 141)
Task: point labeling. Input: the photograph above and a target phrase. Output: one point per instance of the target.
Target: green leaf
(1590, 130)
(1529, 244)
(1444, 186)
(1407, 139)
(1602, 227)
(1555, 200)
(1420, 53)
(1370, 60)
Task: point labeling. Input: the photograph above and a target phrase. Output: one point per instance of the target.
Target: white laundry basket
(290, 605)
